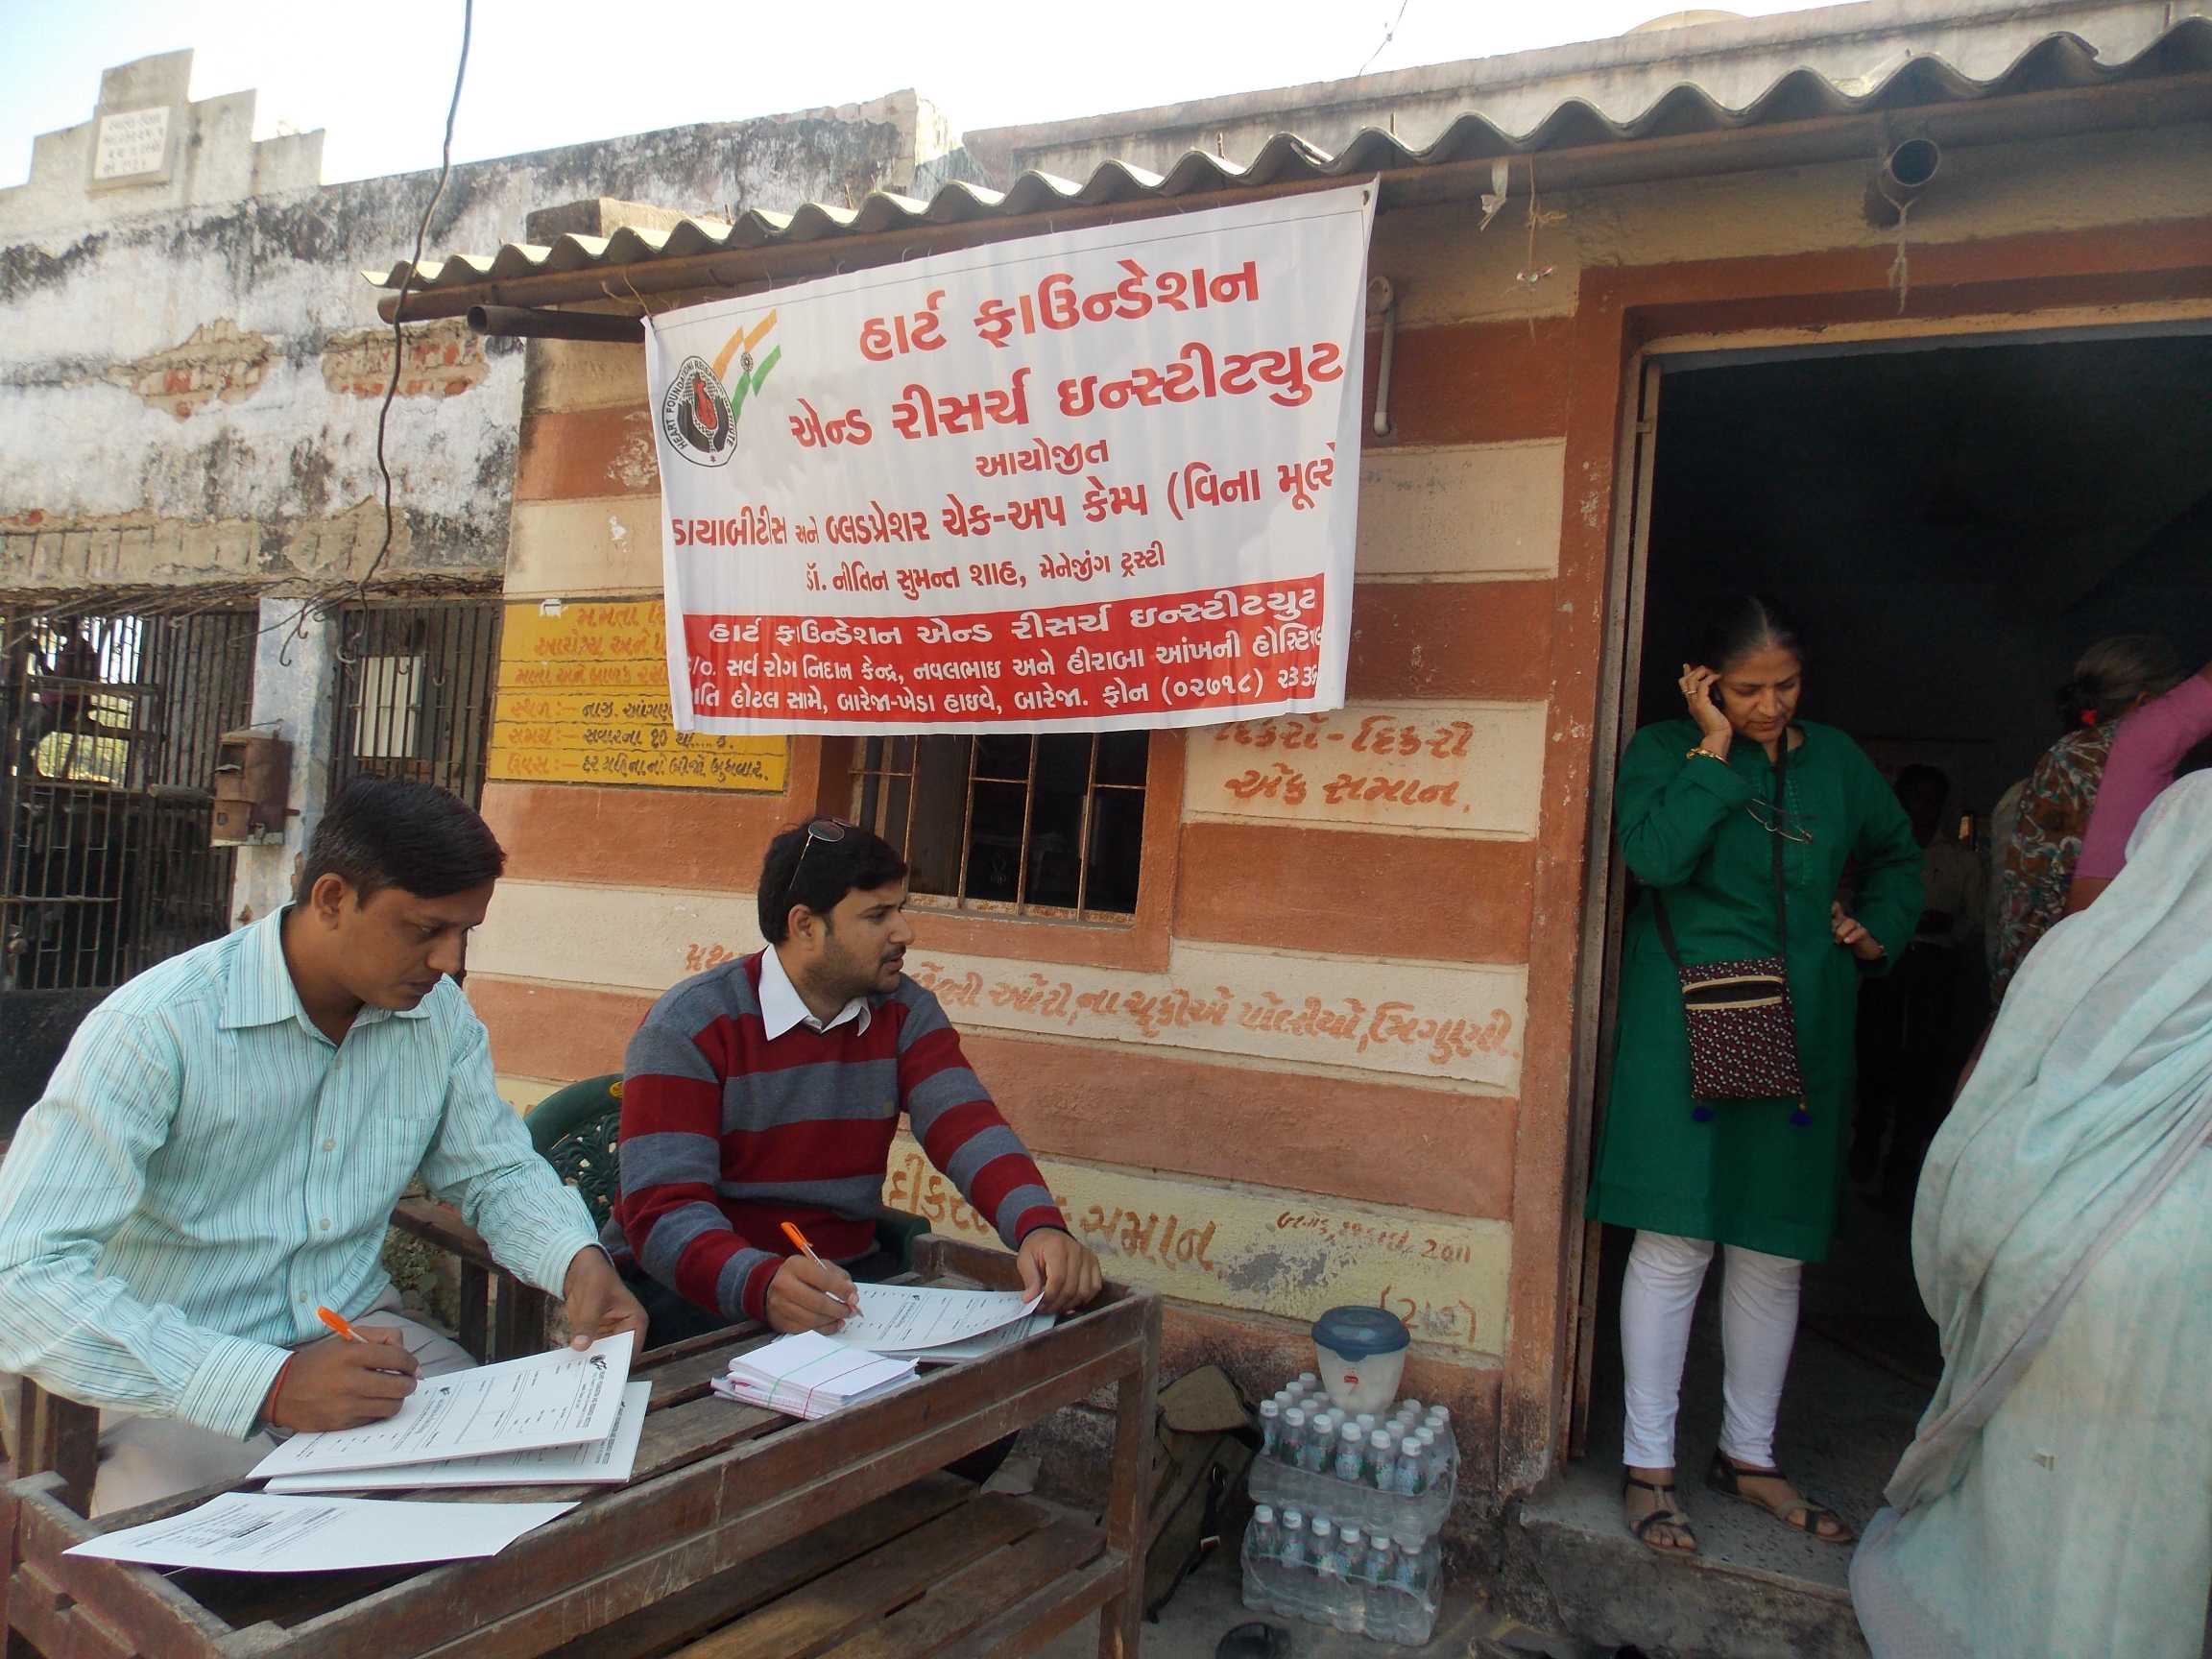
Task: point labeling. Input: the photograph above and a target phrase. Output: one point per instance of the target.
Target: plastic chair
(577, 1127)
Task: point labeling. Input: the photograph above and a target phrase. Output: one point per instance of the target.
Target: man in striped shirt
(768, 1091)
(217, 1154)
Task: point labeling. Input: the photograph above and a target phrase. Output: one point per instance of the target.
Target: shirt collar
(781, 1007)
(259, 990)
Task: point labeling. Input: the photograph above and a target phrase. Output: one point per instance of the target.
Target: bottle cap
(1365, 1420)
(1294, 1418)
(1263, 1514)
(1308, 1380)
(1352, 1535)
(1293, 1517)
(1379, 1440)
(1349, 1434)
(1321, 1525)
(1412, 1546)
(1268, 1408)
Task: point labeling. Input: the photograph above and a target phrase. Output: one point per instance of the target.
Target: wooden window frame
(1141, 943)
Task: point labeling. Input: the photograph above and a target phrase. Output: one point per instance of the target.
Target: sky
(377, 77)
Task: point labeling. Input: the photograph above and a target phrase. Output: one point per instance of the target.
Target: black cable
(1388, 35)
(400, 306)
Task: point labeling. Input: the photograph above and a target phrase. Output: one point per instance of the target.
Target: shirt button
(330, 1143)
(325, 1223)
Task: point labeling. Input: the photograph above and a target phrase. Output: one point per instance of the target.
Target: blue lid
(1358, 1331)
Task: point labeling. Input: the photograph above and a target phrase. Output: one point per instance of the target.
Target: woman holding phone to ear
(1738, 820)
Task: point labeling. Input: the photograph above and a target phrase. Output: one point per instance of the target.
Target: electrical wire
(1388, 35)
(399, 306)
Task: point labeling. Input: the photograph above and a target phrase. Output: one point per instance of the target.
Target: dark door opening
(1952, 524)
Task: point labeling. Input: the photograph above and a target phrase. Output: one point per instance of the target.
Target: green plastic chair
(576, 1129)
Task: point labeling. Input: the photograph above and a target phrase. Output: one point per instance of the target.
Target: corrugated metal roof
(2059, 62)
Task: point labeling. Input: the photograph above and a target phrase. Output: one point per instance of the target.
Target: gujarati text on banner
(1093, 480)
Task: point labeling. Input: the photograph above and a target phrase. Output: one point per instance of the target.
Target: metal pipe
(1382, 303)
(520, 322)
(1907, 169)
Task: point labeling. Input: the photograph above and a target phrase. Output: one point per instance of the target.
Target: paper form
(604, 1462)
(253, 1532)
(563, 1397)
(906, 1318)
(979, 1347)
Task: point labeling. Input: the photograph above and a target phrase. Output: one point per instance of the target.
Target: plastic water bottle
(1308, 1384)
(1381, 1469)
(1262, 1544)
(1351, 1613)
(1437, 1455)
(1439, 1418)
(1412, 1472)
(1318, 1447)
(1330, 1588)
(1290, 1446)
(1270, 1428)
(1381, 1589)
(1417, 1579)
(1293, 1566)
(1348, 1459)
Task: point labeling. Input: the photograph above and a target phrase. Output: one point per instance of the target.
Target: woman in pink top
(2147, 751)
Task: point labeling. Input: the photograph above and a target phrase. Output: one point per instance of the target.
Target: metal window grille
(1048, 826)
(111, 723)
(415, 685)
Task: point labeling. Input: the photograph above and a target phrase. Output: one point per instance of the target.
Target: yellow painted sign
(1292, 1254)
(584, 699)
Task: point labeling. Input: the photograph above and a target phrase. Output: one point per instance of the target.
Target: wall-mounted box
(253, 780)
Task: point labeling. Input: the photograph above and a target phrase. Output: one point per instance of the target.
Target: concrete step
(1754, 1591)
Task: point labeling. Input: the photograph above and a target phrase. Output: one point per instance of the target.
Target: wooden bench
(742, 1533)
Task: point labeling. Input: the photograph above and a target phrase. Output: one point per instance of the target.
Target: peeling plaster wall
(191, 367)
(200, 350)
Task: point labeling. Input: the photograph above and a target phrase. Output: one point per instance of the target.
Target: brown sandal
(1663, 1515)
(1801, 1514)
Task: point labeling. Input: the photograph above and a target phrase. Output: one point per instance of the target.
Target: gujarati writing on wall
(584, 699)
(1097, 480)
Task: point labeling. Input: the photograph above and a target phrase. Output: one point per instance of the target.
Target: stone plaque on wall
(131, 148)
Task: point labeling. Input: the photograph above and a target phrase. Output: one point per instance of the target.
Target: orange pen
(799, 1239)
(338, 1323)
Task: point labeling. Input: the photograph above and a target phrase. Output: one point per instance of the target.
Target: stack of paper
(810, 1375)
(566, 1399)
(939, 1326)
(607, 1462)
(250, 1532)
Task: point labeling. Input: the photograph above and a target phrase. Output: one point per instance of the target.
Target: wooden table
(743, 1534)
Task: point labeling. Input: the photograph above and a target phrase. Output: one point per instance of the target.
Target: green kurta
(1746, 1176)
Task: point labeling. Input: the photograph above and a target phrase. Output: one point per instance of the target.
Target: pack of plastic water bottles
(1347, 1511)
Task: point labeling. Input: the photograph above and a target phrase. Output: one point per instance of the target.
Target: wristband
(276, 1387)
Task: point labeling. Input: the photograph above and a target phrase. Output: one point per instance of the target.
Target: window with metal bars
(109, 728)
(415, 692)
(1000, 823)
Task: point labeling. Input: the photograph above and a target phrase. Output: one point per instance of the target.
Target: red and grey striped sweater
(726, 1134)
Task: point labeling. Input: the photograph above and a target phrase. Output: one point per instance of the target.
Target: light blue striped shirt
(206, 1167)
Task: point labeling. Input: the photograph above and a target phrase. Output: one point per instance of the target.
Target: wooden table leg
(1129, 1498)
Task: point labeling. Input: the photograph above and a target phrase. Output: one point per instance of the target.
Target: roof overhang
(2057, 89)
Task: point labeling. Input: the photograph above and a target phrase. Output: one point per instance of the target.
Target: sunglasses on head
(821, 829)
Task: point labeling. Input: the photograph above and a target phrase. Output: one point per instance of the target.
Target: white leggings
(1758, 1324)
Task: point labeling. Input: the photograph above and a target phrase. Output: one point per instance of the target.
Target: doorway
(1951, 520)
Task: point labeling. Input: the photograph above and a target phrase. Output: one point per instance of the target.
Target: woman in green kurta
(1698, 819)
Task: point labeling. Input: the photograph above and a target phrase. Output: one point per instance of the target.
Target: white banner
(1088, 481)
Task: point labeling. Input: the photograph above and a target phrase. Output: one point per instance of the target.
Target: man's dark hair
(396, 832)
(820, 874)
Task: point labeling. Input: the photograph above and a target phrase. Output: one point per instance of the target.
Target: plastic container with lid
(1361, 1353)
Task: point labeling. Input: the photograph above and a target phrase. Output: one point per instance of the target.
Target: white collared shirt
(781, 1007)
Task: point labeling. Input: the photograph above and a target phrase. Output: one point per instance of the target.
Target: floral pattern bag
(1743, 1027)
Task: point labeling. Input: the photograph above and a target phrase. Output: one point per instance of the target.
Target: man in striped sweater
(768, 1091)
